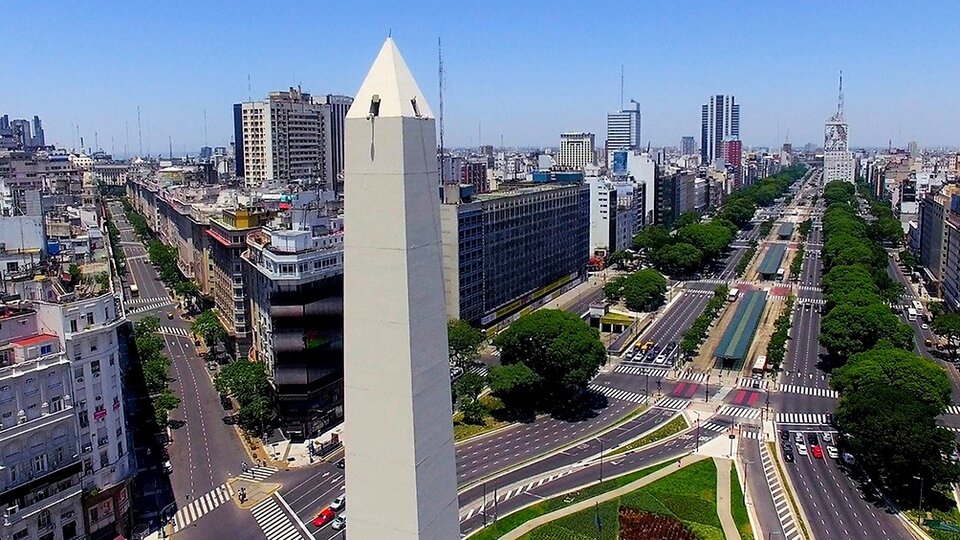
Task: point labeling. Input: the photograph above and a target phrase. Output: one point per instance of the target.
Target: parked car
(340, 522)
(832, 452)
(784, 435)
(817, 451)
(788, 457)
(342, 463)
(325, 516)
(167, 467)
(827, 437)
(339, 503)
(801, 449)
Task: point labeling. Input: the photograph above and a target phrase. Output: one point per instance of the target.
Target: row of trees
(694, 336)
(744, 261)
(246, 381)
(691, 245)
(643, 290)
(208, 326)
(889, 396)
(796, 265)
(155, 367)
(119, 259)
(777, 347)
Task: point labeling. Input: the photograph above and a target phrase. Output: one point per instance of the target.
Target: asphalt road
(205, 450)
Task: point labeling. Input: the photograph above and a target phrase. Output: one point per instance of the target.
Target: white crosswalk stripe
(693, 377)
(503, 495)
(781, 503)
(174, 330)
(258, 474)
(809, 288)
(201, 506)
(739, 412)
(809, 391)
(616, 393)
(714, 426)
(672, 404)
(953, 409)
(633, 369)
(751, 382)
(275, 524)
(150, 306)
(804, 418)
(750, 434)
(141, 301)
(811, 301)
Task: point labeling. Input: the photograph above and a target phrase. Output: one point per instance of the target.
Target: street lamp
(599, 440)
(920, 513)
(698, 431)
(706, 390)
(647, 387)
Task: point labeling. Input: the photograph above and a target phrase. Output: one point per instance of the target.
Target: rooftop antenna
(96, 141)
(126, 145)
(621, 87)
(249, 93)
(170, 146)
(479, 134)
(139, 132)
(840, 98)
(205, 127)
(440, 77)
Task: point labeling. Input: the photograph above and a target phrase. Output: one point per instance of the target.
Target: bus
(911, 314)
(760, 366)
(134, 290)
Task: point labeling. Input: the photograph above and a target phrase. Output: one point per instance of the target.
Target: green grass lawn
(511, 521)
(463, 430)
(689, 495)
(672, 427)
(739, 508)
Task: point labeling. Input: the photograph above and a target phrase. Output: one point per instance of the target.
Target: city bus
(911, 314)
(134, 290)
(917, 305)
(760, 366)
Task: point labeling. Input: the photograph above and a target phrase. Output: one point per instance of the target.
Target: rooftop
(772, 259)
(739, 334)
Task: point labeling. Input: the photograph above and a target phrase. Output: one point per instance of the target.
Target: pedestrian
(678, 463)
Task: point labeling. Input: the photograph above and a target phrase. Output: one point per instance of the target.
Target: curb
(795, 505)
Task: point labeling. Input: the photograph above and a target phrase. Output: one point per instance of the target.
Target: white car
(801, 449)
(827, 437)
(925, 326)
(832, 452)
(660, 359)
(339, 503)
(340, 522)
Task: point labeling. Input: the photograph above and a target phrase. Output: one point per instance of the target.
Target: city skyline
(182, 68)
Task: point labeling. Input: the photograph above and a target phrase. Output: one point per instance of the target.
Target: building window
(31, 386)
(43, 519)
(6, 394)
(90, 318)
(78, 373)
(104, 459)
(70, 530)
(73, 325)
(40, 463)
(21, 534)
(84, 419)
(46, 349)
(93, 346)
(56, 404)
(95, 366)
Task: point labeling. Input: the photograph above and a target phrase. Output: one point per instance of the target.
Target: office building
(473, 171)
(295, 266)
(577, 150)
(733, 158)
(679, 192)
(688, 146)
(283, 139)
(613, 215)
(403, 481)
(623, 130)
(719, 121)
(512, 248)
(838, 161)
(337, 107)
(913, 149)
(935, 209)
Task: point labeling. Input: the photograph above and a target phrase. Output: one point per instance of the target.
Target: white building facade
(577, 150)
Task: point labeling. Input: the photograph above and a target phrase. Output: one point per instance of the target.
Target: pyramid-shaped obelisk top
(389, 89)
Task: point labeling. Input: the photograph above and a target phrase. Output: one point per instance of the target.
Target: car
(325, 516)
(660, 359)
(787, 446)
(827, 437)
(801, 449)
(167, 467)
(340, 522)
(170, 315)
(339, 503)
(788, 457)
(798, 437)
(832, 452)
(812, 438)
(925, 326)
(342, 463)
(816, 451)
(211, 365)
(455, 372)
(848, 458)
(784, 435)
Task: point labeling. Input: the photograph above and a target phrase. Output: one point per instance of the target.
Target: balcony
(45, 421)
(14, 502)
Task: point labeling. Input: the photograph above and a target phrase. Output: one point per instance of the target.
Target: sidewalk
(730, 530)
(589, 503)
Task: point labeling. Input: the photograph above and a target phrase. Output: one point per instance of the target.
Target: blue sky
(524, 70)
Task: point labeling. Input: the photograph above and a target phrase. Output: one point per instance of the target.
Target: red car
(817, 451)
(325, 516)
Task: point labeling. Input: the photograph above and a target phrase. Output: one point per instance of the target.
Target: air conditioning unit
(79, 379)
(11, 510)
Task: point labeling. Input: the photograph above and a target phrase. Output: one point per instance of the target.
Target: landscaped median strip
(517, 519)
(677, 425)
(788, 490)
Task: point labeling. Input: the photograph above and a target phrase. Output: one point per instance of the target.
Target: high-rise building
(507, 249)
(838, 162)
(733, 157)
(913, 148)
(719, 121)
(238, 140)
(39, 140)
(577, 150)
(688, 146)
(403, 480)
(623, 130)
(338, 107)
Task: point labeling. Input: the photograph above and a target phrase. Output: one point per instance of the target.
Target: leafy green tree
(163, 403)
(186, 288)
(805, 227)
(908, 258)
(469, 386)
(473, 411)
(207, 325)
(738, 211)
(685, 219)
(895, 437)
(678, 259)
(619, 259)
(256, 414)
(909, 373)
(464, 342)
(652, 238)
(515, 384)
(710, 238)
(948, 326)
(847, 330)
(641, 291)
(559, 347)
(146, 326)
(242, 379)
(887, 230)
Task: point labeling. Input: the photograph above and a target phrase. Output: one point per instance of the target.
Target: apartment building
(295, 278)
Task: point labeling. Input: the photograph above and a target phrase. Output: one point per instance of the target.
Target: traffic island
(256, 492)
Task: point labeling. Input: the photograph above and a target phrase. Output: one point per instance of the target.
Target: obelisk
(400, 463)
